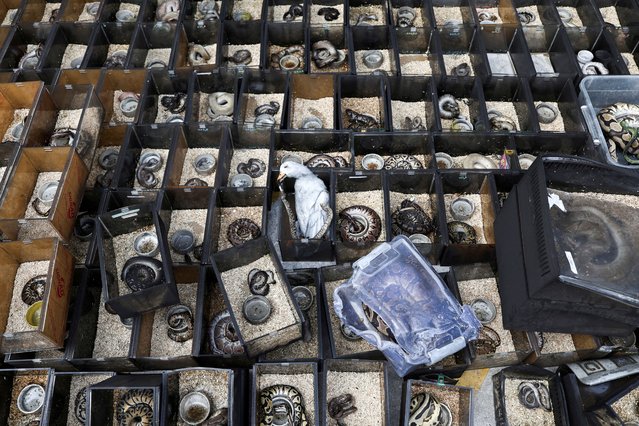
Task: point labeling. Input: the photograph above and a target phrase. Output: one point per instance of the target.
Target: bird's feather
(310, 196)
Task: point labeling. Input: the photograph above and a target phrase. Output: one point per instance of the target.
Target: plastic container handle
(591, 123)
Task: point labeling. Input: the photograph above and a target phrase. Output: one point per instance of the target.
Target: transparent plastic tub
(598, 92)
(397, 302)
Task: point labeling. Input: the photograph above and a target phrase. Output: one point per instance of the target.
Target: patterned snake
(410, 218)
(254, 167)
(135, 407)
(222, 336)
(534, 395)
(241, 231)
(33, 290)
(620, 123)
(426, 410)
(359, 225)
(282, 405)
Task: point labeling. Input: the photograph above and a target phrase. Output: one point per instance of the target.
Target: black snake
(175, 103)
(282, 405)
(241, 231)
(359, 225)
(620, 124)
(410, 218)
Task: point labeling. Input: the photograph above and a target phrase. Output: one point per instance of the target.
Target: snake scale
(242, 230)
(359, 225)
(426, 410)
(282, 405)
(620, 123)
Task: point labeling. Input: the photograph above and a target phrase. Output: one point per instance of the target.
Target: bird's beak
(281, 177)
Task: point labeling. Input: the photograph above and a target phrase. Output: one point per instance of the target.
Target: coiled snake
(410, 218)
(242, 230)
(223, 337)
(359, 226)
(426, 410)
(135, 407)
(282, 405)
(620, 123)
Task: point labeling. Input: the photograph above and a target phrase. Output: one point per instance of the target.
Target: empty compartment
(166, 98)
(214, 99)
(448, 13)
(18, 101)
(507, 52)
(330, 50)
(67, 46)
(153, 46)
(626, 40)
(373, 50)
(528, 147)
(312, 102)
(460, 105)
(197, 45)
(474, 151)
(192, 159)
(110, 47)
(557, 108)
(359, 197)
(262, 101)
(362, 103)
(418, 51)
(411, 104)
(462, 52)
(363, 13)
(10, 10)
(551, 53)
(81, 11)
(241, 45)
(508, 105)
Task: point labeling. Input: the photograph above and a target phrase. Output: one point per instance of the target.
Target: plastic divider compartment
(362, 87)
(241, 34)
(416, 144)
(466, 399)
(303, 249)
(294, 369)
(230, 8)
(204, 85)
(627, 13)
(199, 32)
(340, 39)
(551, 143)
(421, 8)
(111, 7)
(245, 254)
(565, 98)
(85, 251)
(16, 96)
(280, 36)
(193, 16)
(585, 348)
(144, 330)
(368, 38)
(586, 11)
(452, 366)
(359, 181)
(312, 88)
(466, 90)
(600, 92)
(460, 145)
(211, 303)
(626, 41)
(470, 183)
(308, 144)
(5, 33)
(417, 185)
(522, 346)
(10, 11)
(150, 45)
(181, 200)
(465, 12)
(62, 36)
(77, 77)
(60, 404)
(49, 334)
(53, 358)
(455, 41)
(171, 395)
(107, 34)
(506, 51)
(82, 334)
(61, 217)
(340, 273)
(256, 84)
(33, 11)
(374, 6)
(75, 8)
(357, 366)
(594, 39)
(315, 19)
(15, 47)
(534, 374)
(139, 138)
(46, 113)
(414, 90)
(516, 92)
(418, 45)
(151, 12)
(129, 219)
(9, 152)
(118, 80)
(551, 53)
(552, 284)
(200, 136)
(229, 198)
(162, 83)
(249, 143)
(101, 402)
(546, 13)
(505, 13)
(317, 327)
(7, 378)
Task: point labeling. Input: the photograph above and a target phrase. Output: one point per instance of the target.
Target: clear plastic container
(397, 302)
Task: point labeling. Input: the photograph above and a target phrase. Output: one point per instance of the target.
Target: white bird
(312, 208)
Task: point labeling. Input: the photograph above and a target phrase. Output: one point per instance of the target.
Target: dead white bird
(312, 207)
